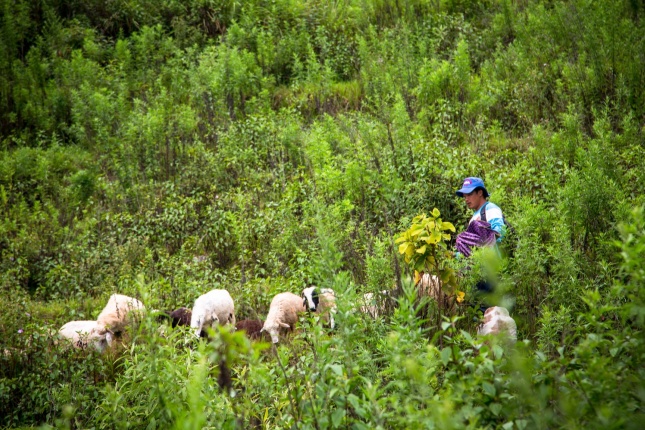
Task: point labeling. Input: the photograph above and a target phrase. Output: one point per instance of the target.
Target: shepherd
(485, 228)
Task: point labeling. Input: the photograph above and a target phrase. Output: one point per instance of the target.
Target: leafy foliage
(161, 149)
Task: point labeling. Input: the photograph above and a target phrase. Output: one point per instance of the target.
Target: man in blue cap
(475, 195)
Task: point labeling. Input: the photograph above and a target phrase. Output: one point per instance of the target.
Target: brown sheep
(251, 327)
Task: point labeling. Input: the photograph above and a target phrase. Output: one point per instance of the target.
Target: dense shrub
(162, 149)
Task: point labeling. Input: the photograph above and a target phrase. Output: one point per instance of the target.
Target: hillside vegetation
(164, 148)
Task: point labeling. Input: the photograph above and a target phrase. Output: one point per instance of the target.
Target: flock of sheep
(217, 307)
(212, 308)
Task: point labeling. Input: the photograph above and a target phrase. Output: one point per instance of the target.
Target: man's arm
(496, 220)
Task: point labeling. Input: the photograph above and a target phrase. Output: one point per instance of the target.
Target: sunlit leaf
(447, 226)
(460, 296)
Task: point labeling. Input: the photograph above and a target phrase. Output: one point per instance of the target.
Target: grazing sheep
(177, 317)
(283, 314)
(429, 285)
(181, 316)
(321, 301)
(117, 314)
(83, 333)
(498, 321)
(253, 328)
(375, 305)
(214, 307)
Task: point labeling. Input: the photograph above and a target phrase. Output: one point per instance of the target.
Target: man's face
(475, 199)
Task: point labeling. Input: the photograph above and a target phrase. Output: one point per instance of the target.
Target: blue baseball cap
(470, 185)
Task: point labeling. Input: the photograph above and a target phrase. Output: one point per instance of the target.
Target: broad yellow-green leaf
(403, 247)
(417, 277)
(447, 226)
(422, 249)
(445, 236)
(416, 230)
(400, 239)
(436, 213)
(435, 237)
(409, 251)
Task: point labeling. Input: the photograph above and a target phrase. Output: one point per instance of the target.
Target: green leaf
(402, 248)
(422, 250)
(436, 213)
(495, 408)
(445, 355)
(337, 369)
(489, 389)
(337, 417)
(355, 402)
(419, 266)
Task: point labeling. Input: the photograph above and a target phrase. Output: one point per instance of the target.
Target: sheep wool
(118, 313)
(429, 285)
(283, 314)
(253, 328)
(498, 321)
(81, 334)
(214, 307)
(375, 305)
(321, 301)
(181, 316)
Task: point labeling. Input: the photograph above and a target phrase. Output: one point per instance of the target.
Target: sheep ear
(284, 325)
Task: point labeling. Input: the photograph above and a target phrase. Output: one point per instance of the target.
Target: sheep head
(274, 330)
(310, 298)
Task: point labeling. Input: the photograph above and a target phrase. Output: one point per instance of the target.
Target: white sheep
(321, 301)
(374, 305)
(498, 321)
(283, 314)
(430, 285)
(83, 333)
(214, 307)
(117, 314)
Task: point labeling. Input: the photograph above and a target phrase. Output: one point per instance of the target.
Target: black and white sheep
(214, 307)
(283, 314)
(321, 301)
